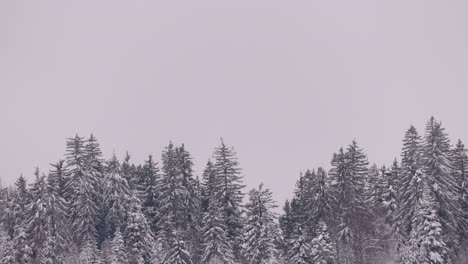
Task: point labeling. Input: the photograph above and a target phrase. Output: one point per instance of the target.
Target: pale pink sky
(286, 82)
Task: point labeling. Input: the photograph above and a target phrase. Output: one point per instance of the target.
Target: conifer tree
(138, 236)
(56, 178)
(300, 252)
(217, 247)
(442, 183)
(288, 227)
(151, 192)
(459, 161)
(349, 174)
(178, 253)
(259, 232)
(209, 185)
(90, 254)
(118, 251)
(426, 238)
(323, 250)
(173, 198)
(409, 185)
(82, 191)
(229, 191)
(322, 199)
(116, 197)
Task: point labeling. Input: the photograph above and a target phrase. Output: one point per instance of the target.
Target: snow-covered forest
(88, 209)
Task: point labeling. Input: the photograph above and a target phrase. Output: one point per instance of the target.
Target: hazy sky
(285, 82)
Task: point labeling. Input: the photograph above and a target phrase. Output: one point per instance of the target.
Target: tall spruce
(442, 182)
(229, 191)
(260, 230)
(409, 184)
(116, 197)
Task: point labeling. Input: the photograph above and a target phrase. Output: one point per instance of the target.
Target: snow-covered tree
(173, 199)
(409, 184)
(288, 227)
(90, 254)
(300, 250)
(323, 250)
(209, 185)
(217, 247)
(178, 253)
(82, 191)
(260, 229)
(229, 191)
(138, 236)
(442, 182)
(118, 250)
(116, 197)
(150, 189)
(321, 199)
(459, 165)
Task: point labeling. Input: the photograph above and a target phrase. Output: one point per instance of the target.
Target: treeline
(90, 210)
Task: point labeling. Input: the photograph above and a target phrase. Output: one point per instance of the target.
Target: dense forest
(87, 209)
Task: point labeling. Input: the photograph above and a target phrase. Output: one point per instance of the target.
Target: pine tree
(288, 227)
(409, 185)
(178, 254)
(349, 176)
(426, 239)
(36, 216)
(442, 183)
(459, 161)
(193, 206)
(300, 251)
(173, 199)
(322, 199)
(217, 248)
(90, 254)
(323, 250)
(138, 235)
(56, 178)
(209, 185)
(229, 191)
(83, 190)
(116, 197)
(23, 194)
(259, 232)
(118, 251)
(128, 171)
(151, 192)
(21, 251)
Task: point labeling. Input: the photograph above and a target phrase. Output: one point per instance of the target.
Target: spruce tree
(349, 175)
(118, 251)
(217, 247)
(151, 192)
(90, 254)
(260, 229)
(300, 251)
(442, 183)
(459, 161)
(178, 253)
(288, 227)
(229, 191)
(82, 192)
(409, 184)
(322, 199)
(138, 236)
(173, 199)
(116, 197)
(209, 185)
(323, 250)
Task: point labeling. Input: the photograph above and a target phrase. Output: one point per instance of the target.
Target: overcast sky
(284, 82)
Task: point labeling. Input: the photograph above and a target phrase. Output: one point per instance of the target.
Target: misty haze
(245, 132)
